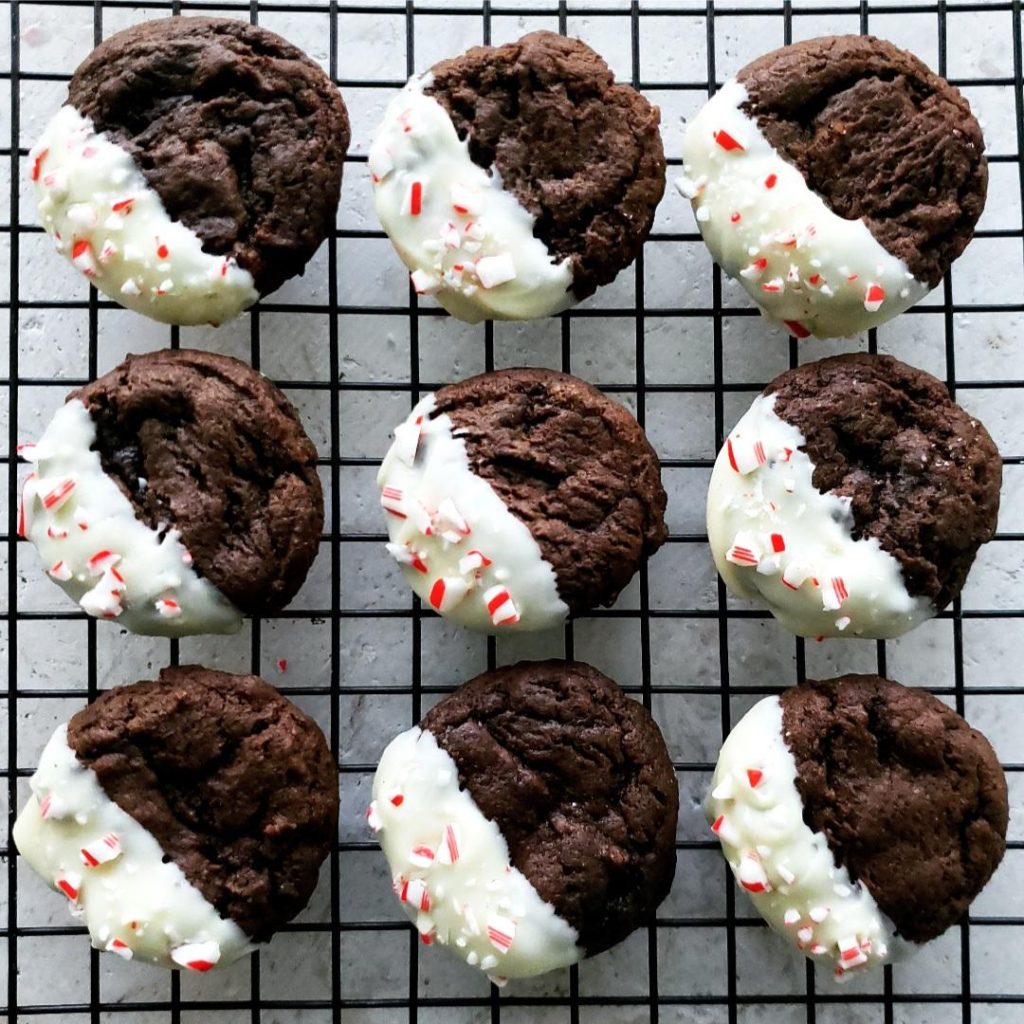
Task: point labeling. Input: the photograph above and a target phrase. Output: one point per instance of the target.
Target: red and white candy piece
(834, 593)
(69, 883)
(424, 283)
(850, 954)
(791, 917)
(466, 200)
(82, 257)
(420, 517)
(500, 606)
(25, 507)
(37, 163)
(449, 522)
(473, 561)
(754, 270)
(501, 931)
(745, 457)
(121, 948)
(102, 560)
(168, 607)
(413, 205)
(752, 875)
(745, 550)
(794, 575)
(392, 500)
(60, 571)
(495, 270)
(725, 830)
(754, 777)
(421, 856)
(407, 440)
(404, 554)
(58, 495)
(414, 892)
(448, 851)
(451, 239)
(381, 164)
(447, 592)
(101, 851)
(197, 956)
(874, 297)
(728, 142)
(797, 329)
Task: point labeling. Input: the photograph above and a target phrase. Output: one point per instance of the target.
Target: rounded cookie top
(878, 137)
(579, 151)
(577, 778)
(236, 784)
(208, 445)
(911, 799)
(570, 463)
(240, 134)
(922, 476)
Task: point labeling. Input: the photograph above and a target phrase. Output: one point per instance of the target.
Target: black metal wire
(410, 1005)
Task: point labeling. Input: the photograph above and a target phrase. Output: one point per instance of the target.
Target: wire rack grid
(354, 349)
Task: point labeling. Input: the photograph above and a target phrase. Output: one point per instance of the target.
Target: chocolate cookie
(515, 180)
(196, 166)
(184, 818)
(860, 814)
(852, 497)
(529, 820)
(520, 496)
(837, 179)
(175, 493)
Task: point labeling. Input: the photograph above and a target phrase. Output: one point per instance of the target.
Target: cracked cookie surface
(877, 136)
(241, 135)
(207, 445)
(570, 463)
(235, 783)
(922, 474)
(580, 152)
(577, 778)
(911, 799)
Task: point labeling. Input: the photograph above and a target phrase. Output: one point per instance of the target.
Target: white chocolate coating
(111, 870)
(461, 549)
(451, 867)
(777, 539)
(467, 241)
(113, 227)
(789, 871)
(808, 269)
(91, 543)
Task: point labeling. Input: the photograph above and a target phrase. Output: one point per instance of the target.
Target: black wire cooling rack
(705, 960)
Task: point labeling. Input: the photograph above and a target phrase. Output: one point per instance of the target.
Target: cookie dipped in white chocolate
(91, 543)
(808, 269)
(461, 549)
(466, 240)
(113, 872)
(104, 217)
(777, 539)
(789, 871)
(451, 870)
